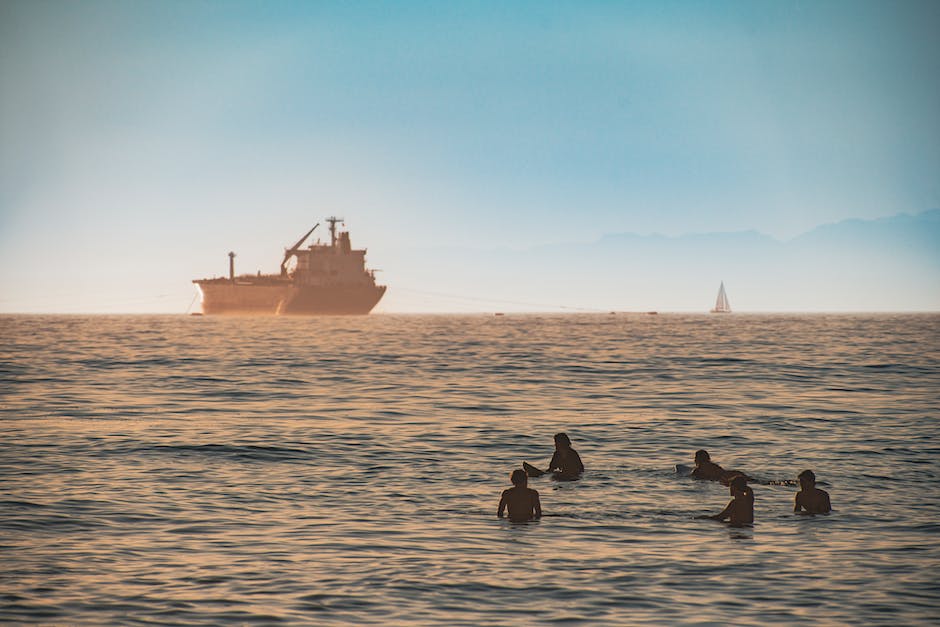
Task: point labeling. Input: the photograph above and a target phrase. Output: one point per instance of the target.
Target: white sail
(721, 303)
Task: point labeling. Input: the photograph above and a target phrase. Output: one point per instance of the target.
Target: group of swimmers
(740, 511)
(522, 502)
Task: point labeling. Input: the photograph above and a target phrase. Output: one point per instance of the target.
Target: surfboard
(531, 470)
(682, 469)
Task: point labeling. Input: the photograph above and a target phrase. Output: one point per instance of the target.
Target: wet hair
(739, 483)
(702, 454)
(518, 477)
(562, 437)
(809, 475)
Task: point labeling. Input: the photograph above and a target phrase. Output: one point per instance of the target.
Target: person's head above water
(562, 440)
(519, 478)
(807, 477)
(702, 455)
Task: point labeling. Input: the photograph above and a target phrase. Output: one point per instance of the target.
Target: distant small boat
(721, 304)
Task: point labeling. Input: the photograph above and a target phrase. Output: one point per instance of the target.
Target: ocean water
(333, 471)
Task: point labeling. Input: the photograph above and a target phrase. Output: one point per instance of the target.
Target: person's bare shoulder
(814, 501)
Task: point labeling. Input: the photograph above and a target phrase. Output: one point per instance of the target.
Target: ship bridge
(334, 263)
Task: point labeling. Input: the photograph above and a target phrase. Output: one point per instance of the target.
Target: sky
(141, 141)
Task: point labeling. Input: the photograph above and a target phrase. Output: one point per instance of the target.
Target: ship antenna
(333, 220)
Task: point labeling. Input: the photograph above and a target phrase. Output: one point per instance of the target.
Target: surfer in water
(740, 511)
(521, 501)
(811, 498)
(708, 470)
(566, 463)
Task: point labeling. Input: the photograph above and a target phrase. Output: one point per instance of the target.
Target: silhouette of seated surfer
(565, 463)
(521, 501)
(811, 498)
(708, 470)
(740, 511)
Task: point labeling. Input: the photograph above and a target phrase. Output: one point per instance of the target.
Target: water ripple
(206, 471)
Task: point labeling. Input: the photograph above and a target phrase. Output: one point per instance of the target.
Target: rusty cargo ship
(322, 279)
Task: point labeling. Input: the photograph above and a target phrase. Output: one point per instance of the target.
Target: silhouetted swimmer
(566, 460)
(811, 498)
(706, 469)
(521, 501)
(740, 511)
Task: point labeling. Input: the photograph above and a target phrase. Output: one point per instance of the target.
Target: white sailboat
(721, 304)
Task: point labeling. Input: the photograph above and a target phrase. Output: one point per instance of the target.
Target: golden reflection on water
(337, 471)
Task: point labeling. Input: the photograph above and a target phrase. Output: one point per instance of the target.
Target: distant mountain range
(888, 264)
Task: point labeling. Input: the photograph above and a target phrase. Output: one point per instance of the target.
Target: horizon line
(491, 312)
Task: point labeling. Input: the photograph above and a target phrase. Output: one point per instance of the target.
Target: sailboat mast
(721, 303)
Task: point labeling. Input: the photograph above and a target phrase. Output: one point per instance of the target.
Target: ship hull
(333, 300)
(227, 297)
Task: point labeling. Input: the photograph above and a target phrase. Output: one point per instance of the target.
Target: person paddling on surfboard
(566, 463)
(706, 469)
(522, 501)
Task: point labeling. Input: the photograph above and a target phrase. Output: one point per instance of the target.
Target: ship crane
(290, 252)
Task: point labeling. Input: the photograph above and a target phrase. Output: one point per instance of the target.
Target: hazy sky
(140, 141)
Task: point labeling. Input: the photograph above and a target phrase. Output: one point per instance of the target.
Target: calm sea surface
(325, 471)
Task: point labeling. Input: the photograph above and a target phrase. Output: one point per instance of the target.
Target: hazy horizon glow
(139, 142)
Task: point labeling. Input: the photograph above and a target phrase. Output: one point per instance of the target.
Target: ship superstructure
(320, 279)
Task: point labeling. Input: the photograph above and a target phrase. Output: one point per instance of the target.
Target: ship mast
(333, 220)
